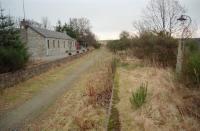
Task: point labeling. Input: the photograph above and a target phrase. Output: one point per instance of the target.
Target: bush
(159, 48)
(113, 46)
(12, 59)
(191, 67)
(13, 54)
(97, 46)
(118, 45)
(139, 96)
(191, 46)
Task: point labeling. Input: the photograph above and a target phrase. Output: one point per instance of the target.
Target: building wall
(35, 44)
(40, 47)
(59, 46)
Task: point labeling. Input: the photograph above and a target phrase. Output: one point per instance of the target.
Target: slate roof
(51, 34)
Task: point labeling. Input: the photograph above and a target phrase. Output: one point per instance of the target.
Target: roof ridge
(50, 33)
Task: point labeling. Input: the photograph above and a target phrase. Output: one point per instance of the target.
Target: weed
(100, 86)
(139, 96)
(84, 124)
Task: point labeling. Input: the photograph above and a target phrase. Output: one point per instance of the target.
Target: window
(58, 44)
(53, 43)
(48, 44)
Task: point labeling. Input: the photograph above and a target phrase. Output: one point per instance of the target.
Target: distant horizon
(107, 18)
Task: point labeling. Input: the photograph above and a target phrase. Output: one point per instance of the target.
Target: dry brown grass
(99, 87)
(160, 112)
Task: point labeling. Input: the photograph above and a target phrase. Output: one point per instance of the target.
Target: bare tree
(124, 35)
(81, 26)
(161, 15)
(45, 22)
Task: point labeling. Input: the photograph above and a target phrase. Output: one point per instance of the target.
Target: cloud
(108, 17)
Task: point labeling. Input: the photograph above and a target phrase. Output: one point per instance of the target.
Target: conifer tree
(13, 53)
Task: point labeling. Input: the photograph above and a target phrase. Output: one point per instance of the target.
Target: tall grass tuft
(138, 97)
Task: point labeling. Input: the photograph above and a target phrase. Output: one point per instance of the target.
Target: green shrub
(97, 46)
(191, 70)
(191, 66)
(191, 46)
(118, 45)
(138, 97)
(113, 46)
(13, 54)
(12, 59)
(159, 48)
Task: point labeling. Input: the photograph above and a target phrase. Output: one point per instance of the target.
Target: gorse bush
(118, 45)
(12, 58)
(191, 46)
(138, 97)
(159, 48)
(191, 66)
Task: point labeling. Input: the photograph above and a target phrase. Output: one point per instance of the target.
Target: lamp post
(181, 47)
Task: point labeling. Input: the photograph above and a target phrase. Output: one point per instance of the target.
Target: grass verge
(168, 105)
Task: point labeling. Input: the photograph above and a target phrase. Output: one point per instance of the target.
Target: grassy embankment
(169, 105)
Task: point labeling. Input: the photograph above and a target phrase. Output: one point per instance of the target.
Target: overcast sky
(108, 17)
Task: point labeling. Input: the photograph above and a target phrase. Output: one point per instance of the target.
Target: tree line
(13, 52)
(79, 29)
(156, 40)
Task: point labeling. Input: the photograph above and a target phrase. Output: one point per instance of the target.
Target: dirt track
(29, 110)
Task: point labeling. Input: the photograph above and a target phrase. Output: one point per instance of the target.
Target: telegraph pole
(24, 10)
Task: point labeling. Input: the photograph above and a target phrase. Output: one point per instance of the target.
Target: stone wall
(10, 79)
(40, 47)
(58, 47)
(36, 44)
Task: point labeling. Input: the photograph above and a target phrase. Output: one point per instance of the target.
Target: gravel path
(15, 119)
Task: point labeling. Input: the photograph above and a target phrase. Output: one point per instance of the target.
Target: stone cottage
(46, 44)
